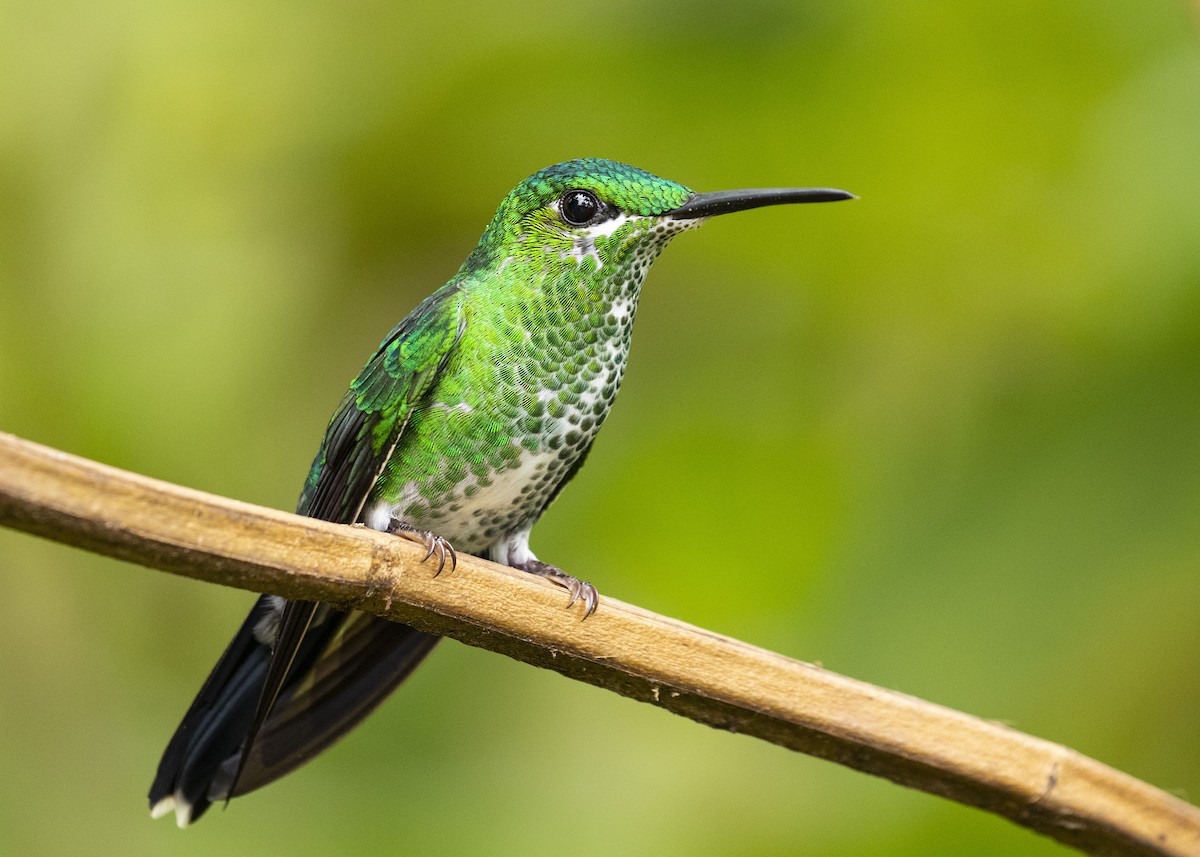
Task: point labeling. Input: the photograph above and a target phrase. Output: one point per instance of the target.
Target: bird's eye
(578, 207)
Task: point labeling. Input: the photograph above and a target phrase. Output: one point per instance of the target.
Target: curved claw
(591, 598)
(582, 590)
(443, 549)
(579, 590)
(433, 544)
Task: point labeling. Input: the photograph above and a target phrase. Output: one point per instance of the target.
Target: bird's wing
(267, 708)
(358, 443)
(371, 418)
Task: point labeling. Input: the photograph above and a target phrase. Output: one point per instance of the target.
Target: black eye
(578, 207)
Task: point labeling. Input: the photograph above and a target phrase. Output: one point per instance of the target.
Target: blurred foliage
(943, 439)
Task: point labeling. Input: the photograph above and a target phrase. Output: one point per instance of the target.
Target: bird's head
(590, 214)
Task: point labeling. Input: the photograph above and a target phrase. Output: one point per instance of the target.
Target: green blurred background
(943, 439)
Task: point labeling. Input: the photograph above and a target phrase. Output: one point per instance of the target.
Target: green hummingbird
(463, 427)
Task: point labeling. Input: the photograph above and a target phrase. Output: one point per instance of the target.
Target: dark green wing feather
(371, 418)
(265, 709)
(360, 439)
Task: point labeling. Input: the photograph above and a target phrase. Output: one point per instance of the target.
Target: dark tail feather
(354, 674)
(295, 619)
(347, 664)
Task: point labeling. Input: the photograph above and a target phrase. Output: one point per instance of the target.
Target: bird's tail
(347, 664)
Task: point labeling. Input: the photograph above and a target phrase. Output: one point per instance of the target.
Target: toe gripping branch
(579, 590)
(432, 544)
(439, 547)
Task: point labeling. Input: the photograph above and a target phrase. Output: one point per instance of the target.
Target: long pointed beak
(727, 201)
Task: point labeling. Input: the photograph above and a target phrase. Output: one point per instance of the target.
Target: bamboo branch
(709, 678)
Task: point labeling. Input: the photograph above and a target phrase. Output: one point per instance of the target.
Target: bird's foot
(579, 590)
(433, 544)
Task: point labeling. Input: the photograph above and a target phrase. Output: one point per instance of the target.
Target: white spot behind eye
(608, 227)
(585, 241)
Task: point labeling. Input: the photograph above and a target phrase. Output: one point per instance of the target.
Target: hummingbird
(463, 427)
